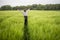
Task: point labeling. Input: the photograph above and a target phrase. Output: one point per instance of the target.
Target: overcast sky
(27, 2)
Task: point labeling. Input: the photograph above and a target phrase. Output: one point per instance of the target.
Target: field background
(42, 25)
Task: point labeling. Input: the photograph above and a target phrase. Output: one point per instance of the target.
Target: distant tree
(40, 7)
(6, 7)
(33, 7)
(57, 6)
(28, 6)
(22, 7)
(15, 8)
(0, 8)
(19, 7)
(52, 7)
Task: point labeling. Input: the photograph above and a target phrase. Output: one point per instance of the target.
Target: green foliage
(33, 7)
(6, 7)
(42, 25)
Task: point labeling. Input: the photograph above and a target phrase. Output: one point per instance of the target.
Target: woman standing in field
(25, 13)
(26, 31)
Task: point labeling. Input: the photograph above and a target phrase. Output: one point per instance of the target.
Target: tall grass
(42, 25)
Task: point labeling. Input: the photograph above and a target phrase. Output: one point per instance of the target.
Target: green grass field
(42, 25)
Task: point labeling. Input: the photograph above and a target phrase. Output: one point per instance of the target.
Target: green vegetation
(32, 7)
(42, 25)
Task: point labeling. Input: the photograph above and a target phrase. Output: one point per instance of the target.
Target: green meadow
(42, 25)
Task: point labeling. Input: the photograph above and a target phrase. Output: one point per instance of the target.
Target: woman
(25, 16)
(26, 32)
(25, 13)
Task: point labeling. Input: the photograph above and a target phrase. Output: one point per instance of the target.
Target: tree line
(32, 7)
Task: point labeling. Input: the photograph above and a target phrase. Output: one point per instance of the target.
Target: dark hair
(24, 10)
